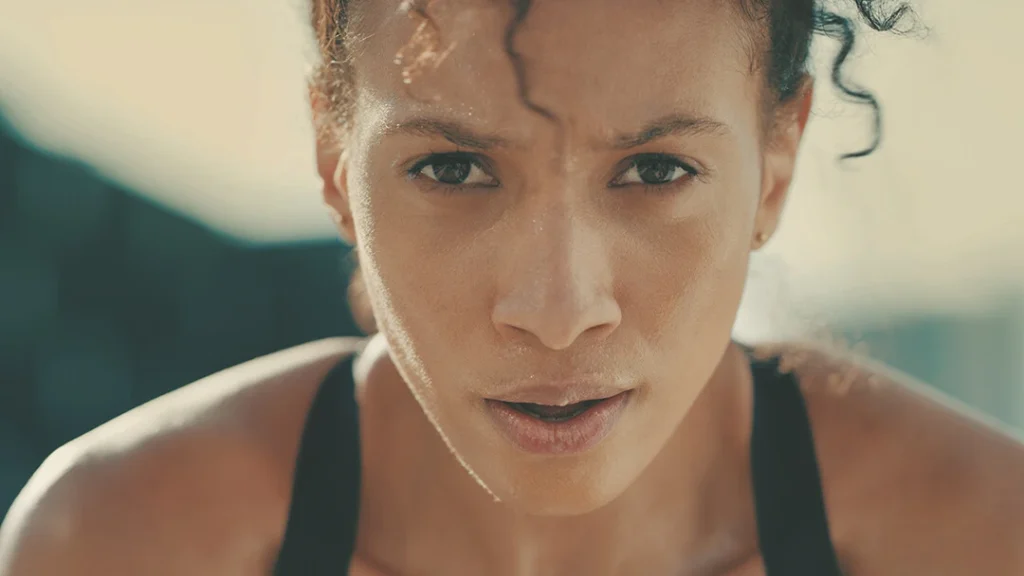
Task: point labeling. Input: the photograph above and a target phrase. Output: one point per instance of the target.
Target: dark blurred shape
(107, 301)
(975, 357)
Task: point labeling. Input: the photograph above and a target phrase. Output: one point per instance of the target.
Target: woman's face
(509, 256)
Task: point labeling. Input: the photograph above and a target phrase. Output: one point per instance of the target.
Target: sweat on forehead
(604, 64)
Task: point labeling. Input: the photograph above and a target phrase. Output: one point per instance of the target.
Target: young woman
(553, 206)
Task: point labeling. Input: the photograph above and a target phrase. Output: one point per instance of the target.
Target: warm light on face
(504, 251)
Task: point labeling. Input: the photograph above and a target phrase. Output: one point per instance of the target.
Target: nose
(556, 284)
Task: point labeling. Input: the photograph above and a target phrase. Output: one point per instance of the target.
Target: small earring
(760, 238)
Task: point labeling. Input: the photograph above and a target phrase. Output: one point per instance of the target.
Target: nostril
(554, 334)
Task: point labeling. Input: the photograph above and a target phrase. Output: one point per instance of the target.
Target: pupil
(452, 171)
(655, 171)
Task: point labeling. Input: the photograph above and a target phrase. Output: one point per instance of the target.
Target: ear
(784, 136)
(332, 167)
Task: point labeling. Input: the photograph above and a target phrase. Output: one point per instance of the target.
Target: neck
(692, 507)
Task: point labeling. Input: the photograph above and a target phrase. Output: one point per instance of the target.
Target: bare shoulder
(197, 481)
(915, 482)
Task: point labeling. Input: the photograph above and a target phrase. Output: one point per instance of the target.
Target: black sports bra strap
(791, 520)
(792, 523)
(321, 531)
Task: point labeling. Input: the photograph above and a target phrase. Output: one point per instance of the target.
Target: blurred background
(160, 216)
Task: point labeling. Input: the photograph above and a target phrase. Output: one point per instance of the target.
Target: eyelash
(416, 170)
(657, 189)
(660, 189)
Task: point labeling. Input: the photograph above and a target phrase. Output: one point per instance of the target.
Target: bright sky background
(200, 105)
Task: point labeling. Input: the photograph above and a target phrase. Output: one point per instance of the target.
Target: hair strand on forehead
(521, 9)
(787, 26)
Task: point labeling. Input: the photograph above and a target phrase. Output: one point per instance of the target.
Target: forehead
(598, 65)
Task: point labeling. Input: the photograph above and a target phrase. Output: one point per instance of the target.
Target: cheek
(688, 294)
(695, 265)
(420, 285)
(685, 289)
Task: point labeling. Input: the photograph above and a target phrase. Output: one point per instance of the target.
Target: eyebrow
(454, 132)
(465, 137)
(671, 125)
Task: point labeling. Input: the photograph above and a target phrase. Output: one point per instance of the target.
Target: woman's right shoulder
(197, 481)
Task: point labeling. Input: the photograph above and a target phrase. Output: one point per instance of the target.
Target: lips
(559, 394)
(558, 429)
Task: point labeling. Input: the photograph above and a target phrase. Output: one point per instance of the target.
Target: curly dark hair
(781, 33)
(788, 27)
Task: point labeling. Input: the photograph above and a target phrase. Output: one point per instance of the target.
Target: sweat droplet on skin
(425, 40)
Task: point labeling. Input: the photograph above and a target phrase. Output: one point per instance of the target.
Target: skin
(543, 269)
(553, 262)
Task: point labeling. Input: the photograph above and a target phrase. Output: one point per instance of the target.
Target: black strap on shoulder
(324, 513)
(792, 524)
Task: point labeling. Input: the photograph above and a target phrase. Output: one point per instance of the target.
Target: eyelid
(482, 163)
(435, 157)
(695, 169)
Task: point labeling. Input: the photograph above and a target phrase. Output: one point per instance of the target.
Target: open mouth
(553, 429)
(554, 413)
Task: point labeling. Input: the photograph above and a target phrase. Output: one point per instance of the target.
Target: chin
(559, 494)
(556, 485)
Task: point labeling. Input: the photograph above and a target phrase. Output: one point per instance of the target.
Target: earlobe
(760, 239)
(780, 161)
(333, 173)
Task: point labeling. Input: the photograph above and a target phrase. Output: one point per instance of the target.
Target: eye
(453, 169)
(653, 170)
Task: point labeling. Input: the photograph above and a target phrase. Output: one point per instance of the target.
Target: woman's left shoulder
(915, 482)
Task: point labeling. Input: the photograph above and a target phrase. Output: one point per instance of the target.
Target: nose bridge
(557, 280)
